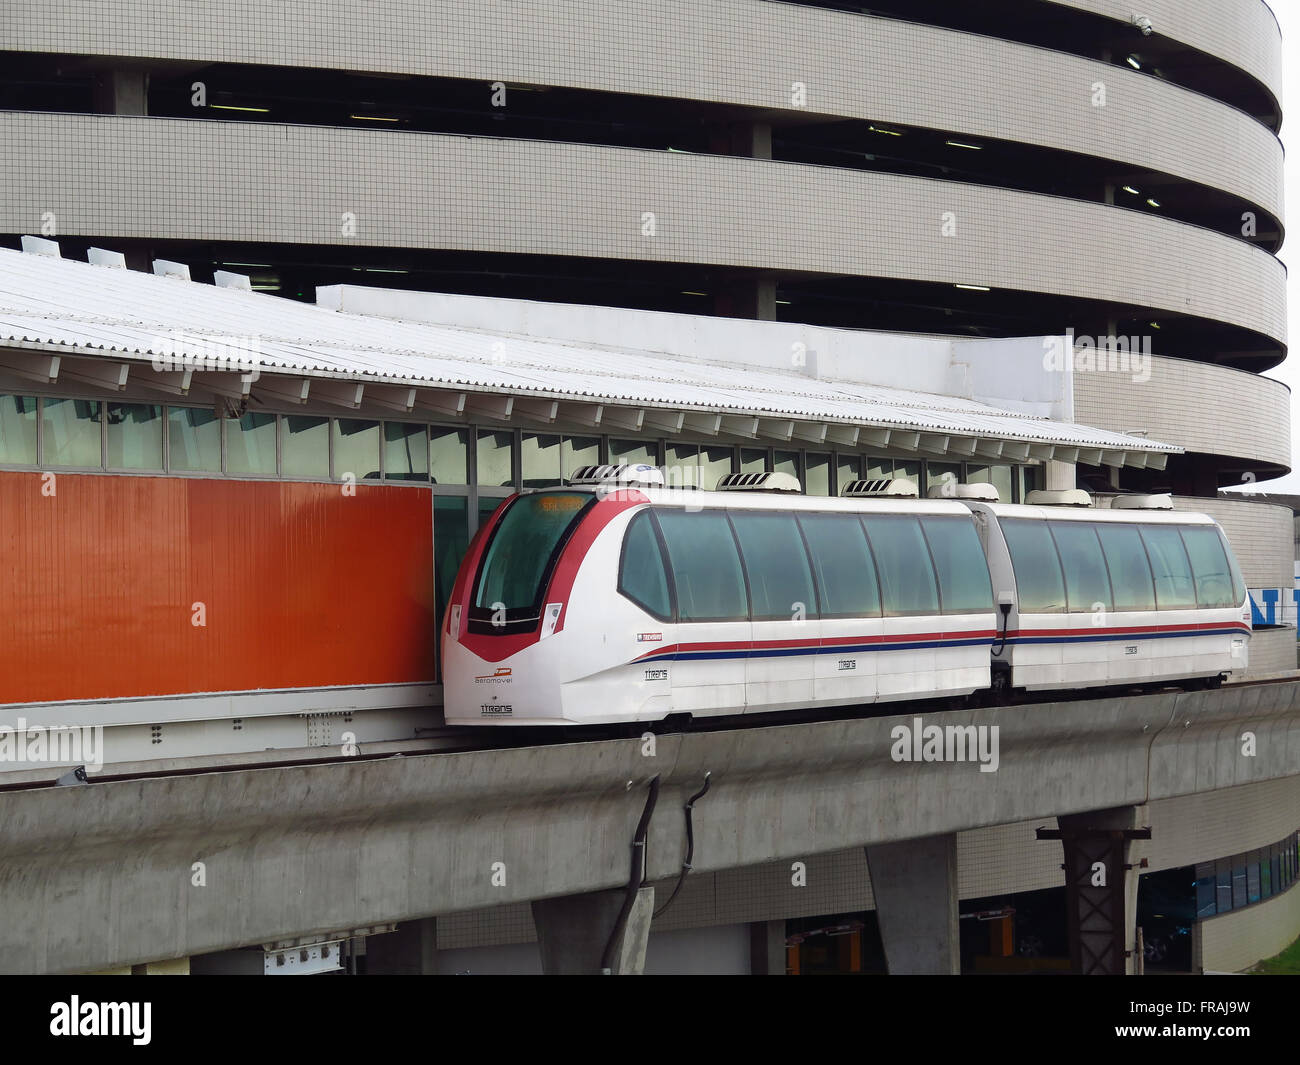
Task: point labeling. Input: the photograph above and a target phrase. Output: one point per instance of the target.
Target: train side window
(1130, 573)
(1209, 567)
(641, 574)
(1087, 583)
(780, 579)
(846, 572)
(907, 580)
(1040, 586)
(705, 566)
(1170, 567)
(964, 586)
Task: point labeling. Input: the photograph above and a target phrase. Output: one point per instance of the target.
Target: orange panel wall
(302, 586)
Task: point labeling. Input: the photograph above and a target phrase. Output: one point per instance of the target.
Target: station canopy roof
(147, 335)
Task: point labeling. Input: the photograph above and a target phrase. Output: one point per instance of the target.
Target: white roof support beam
(776, 430)
(1014, 451)
(338, 393)
(962, 445)
(442, 404)
(875, 437)
(989, 449)
(1157, 460)
(810, 432)
(739, 425)
(843, 435)
(1042, 452)
(629, 419)
(171, 382)
(286, 390)
(904, 440)
(537, 410)
(933, 444)
(1066, 454)
(705, 424)
(665, 420)
(235, 386)
(401, 400)
(44, 369)
(1090, 456)
(585, 414)
(1118, 459)
(110, 375)
(489, 407)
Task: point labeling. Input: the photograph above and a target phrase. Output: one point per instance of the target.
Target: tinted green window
(753, 460)
(705, 566)
(1169, 567)
(193, 440)
(944, 476)
(495, 461)
(846, 572)
(356, 448)
(1238, 581)
(632, 452)
(848, 468)
(1130, 573)
(517, 562)
(304, 446)
(903, 563)
(780, 580)
(250, 445)
(641, 574)
(817, 474)
(18, 430)
(1209, 567)
(539, 458)
(406, 452)
(579, 451)
(450, 541)
(964, 586)
(71, 428)
(1087, 582)
(1039, 585)
(135, 437)
(449, 455)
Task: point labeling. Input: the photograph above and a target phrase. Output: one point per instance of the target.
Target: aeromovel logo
(501, 676)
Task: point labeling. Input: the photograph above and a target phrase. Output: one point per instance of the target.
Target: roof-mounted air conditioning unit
(1160, 501)
(759, 482)
(894, 487)
(628, 473)
(1069, 497)
(986, 493)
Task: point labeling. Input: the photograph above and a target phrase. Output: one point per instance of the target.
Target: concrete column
(410, 951)
(1059, 475)
(573, 932)
(767, 948)
(1100, 861)
(750, 139)
(915, 885)
(747, 298)
(122, 91)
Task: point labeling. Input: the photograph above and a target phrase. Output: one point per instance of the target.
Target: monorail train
(618, 600)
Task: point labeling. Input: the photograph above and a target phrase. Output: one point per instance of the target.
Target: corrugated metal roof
(58, 305)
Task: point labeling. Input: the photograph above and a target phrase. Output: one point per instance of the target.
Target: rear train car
(598, 603)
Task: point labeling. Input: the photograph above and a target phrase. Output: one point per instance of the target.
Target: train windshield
(524, 547)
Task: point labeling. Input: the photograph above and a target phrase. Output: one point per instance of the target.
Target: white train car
(1096, 598)
(588, 605)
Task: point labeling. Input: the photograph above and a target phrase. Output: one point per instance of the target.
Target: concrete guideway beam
(915, 886)
(136, 870)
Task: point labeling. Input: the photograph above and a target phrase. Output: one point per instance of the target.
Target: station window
(878, 469)
(682, 465)
(943, 475)
(1040, 586)
(406, 452)
(848, 468)
(1169, 567)
(753, 460)
(846, 572)
(539, 461)
(909, 469)
(817, 477)
(903, 565)
(780, 579)
(356, 448)
(450, 542)
(250, 445)
(304, 446)
(193, 440)
(71, 432)
(135, 436)
(449, 455)
(705, 566)
(18, 430)
(1000, 477)
(634, 452)
(715, 464)
(786, 462)
(1130, 573)
(1209, 567)
(641, 575)
(496, 464)
(964, 586)
(1087, 583)
(578, 451)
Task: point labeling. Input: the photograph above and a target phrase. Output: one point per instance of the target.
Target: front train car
(610, 601)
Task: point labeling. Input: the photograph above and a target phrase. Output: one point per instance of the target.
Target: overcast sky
(1289, 18)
